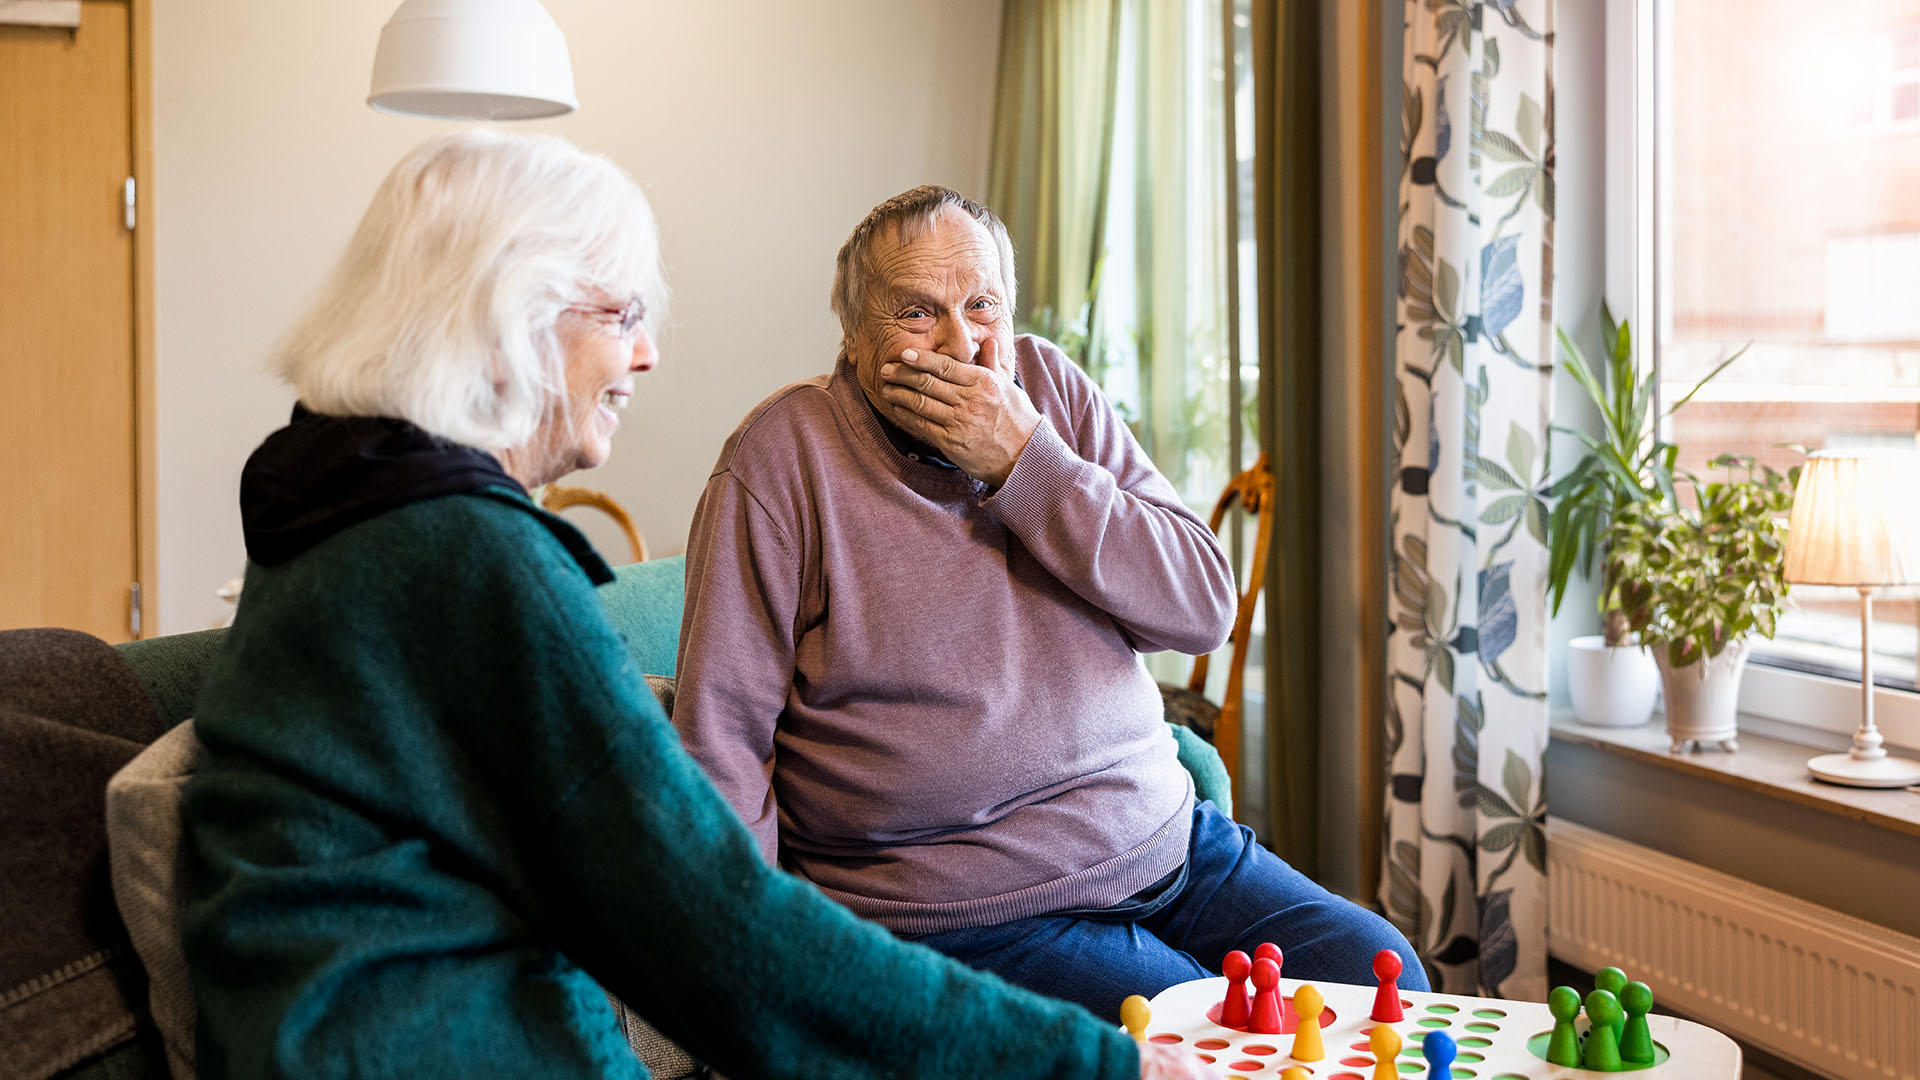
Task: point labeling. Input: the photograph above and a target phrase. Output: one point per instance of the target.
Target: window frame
(1792, 705)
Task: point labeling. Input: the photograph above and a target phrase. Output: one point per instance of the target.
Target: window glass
(1790, 223)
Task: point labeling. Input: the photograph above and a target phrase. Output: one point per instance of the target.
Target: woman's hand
(1166, 1063)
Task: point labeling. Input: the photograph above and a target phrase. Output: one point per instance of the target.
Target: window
(1786, 162)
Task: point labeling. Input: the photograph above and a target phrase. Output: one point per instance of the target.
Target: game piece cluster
(1460, 1037)
(1617, 1034)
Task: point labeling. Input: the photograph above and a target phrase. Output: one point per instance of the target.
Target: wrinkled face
(601, 359)
(938, 291)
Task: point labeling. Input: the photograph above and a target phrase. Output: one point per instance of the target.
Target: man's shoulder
(791, 416)
(1053, 379)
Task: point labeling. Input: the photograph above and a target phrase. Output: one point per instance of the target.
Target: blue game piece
(1440, 1050)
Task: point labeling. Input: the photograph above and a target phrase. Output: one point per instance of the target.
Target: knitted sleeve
(1088, 503)
(736, 650)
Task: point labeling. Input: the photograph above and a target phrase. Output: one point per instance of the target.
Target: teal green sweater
(439, 810)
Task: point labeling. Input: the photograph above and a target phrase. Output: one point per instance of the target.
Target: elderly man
(916, 591)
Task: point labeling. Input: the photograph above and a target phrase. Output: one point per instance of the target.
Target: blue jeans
(1231, 894)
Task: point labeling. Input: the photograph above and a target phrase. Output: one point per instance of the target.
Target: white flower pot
(1610, 686)
(1703, 699)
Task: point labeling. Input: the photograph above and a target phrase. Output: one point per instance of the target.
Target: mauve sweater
(926, 694)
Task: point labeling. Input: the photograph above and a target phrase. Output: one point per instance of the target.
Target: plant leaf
(1501, 147)
(1526, 122)
(1520, 451)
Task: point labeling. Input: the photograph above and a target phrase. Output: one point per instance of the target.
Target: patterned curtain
(1465, 873)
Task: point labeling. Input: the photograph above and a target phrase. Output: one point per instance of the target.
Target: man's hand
(1166, 1063)
(974, 414)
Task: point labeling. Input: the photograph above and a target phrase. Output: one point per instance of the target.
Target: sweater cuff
(1045, 473)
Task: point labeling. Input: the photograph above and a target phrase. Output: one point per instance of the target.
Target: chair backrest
(1253, 490)
(558, 497)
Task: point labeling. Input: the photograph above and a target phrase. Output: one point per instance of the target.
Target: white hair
(911, 213)
(442, 309)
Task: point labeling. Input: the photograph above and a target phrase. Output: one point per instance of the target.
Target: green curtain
(1052, 153)
(1287, 227)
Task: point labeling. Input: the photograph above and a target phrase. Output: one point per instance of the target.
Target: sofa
(75, 998)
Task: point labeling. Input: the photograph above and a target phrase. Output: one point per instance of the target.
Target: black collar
(320, 475)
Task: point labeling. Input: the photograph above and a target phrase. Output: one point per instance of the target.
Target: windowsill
(1763, 766)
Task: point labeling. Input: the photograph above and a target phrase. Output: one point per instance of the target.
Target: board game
(1479, 1038)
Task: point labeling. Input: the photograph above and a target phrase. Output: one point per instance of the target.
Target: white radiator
(1833, 993)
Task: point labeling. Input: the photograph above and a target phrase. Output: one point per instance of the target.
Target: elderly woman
(438, 809)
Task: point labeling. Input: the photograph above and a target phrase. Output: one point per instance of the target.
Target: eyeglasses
(628, 316)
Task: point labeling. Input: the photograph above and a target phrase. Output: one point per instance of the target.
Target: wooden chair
(558, 497)
(1220, 724)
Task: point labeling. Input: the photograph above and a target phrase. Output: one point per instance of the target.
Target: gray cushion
(144, 837)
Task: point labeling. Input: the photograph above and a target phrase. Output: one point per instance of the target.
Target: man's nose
(953, 336)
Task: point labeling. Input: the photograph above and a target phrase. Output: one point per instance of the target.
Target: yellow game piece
(1307, 1043)
(1295, 1072)
(1136, 1014)
(1385, 1044)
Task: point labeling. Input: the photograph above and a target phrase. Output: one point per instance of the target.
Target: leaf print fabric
(1465, 873)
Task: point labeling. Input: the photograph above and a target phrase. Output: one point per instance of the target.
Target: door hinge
(133, 609)
(127, 201)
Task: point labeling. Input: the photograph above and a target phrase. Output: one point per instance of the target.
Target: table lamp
(1853, 524)
(472, 60)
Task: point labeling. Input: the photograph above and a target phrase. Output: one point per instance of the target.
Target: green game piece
(1636, 1044)
(1612, 980)
(1564, 1003)
(1602, 1052)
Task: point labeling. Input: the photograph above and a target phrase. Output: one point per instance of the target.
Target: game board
(1493, 1037)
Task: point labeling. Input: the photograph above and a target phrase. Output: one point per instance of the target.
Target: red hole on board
(1259, 1049)
(1363, 1046)
(1346, 1076)
(1211, 1044)
(1164, 1040)
(1208, 1058)
(1356, 1061)
(1246, 1066)
(1405, 1004)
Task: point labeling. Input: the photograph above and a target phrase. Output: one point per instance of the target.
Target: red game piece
(1266, 998)
(1386, 1003)
(1235, 1009)
(1289, 1020)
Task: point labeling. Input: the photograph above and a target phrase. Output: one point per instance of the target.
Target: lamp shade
(1854, 520)
(472, 60)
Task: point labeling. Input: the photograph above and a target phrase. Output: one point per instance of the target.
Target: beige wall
(761, 130)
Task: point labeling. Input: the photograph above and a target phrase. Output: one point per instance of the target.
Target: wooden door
(68, 515)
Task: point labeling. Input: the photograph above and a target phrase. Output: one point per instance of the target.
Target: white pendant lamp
(472, 60)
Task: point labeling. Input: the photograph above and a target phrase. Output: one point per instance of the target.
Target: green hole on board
(1413, 1066)
(1488, 1014)
(1434, 1022)
(1416, 1036)
(1484, 1029)
(1446, 1009)
(1509, 1076)
(1463, 1074)
(1475, 1042)
(1468, 1057)
(1412, 1052)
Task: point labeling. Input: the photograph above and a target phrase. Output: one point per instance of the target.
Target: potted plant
(1697, 583)
(1611, 680)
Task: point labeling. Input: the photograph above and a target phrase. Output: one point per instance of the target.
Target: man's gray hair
(911, 212)
(442, 309)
